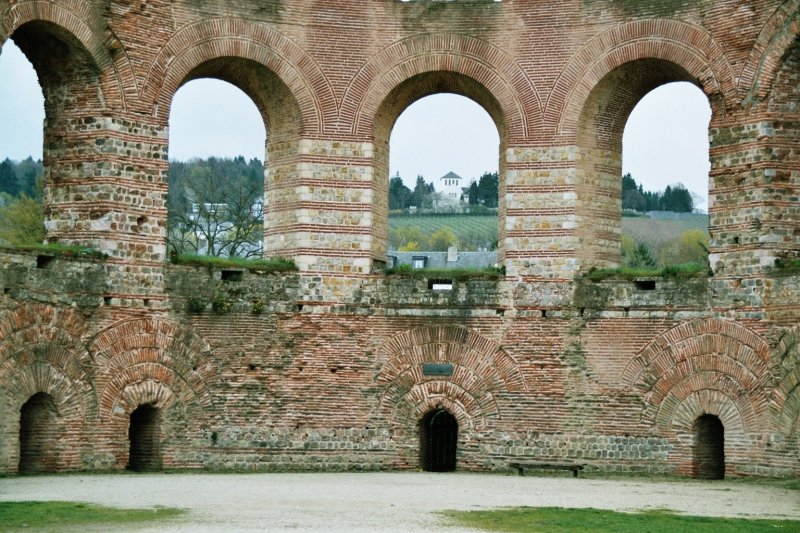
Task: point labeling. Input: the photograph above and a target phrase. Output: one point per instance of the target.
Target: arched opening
(599, 165)
(70, 84)
(665, 166)
(144, 434)
(456, 90)
(217, 160)
(38, 434)
(216, 173)
(444, 189)
(708, 450)
(438, 441)
(22, 115)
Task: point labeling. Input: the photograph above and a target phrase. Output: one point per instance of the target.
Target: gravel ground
(403, 501)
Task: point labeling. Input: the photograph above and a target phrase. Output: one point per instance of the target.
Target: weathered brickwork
(129, 362)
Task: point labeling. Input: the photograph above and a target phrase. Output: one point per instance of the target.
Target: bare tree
(216, 216)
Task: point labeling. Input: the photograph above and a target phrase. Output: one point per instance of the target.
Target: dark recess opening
(438, 441)
(145, 436)
(37, 434)
(708, 454)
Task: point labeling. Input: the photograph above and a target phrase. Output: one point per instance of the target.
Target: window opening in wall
(665, 166)
(444, 184)
(144, 434)
(37, 434)
(21, 144)
(708, 452)
(216, 172)
(438, 441)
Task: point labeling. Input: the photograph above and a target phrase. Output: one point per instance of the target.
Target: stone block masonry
(128, 361)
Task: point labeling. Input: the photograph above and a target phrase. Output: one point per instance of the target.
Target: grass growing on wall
(561, 520)
(685, 271)
(456, 274)
(58, 516)
(278, 264)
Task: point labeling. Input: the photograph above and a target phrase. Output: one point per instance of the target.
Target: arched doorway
(145, 438)
(438, 433)
(708, 452)
(37, 434)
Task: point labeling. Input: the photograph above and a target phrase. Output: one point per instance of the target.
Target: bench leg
(574, 472)
(521, 471)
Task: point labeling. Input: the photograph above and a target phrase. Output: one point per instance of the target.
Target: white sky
(665, 140)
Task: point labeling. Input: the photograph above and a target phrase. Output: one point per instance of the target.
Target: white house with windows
(450, 191)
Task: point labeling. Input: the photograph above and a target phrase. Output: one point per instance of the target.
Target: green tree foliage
(22, 222)
(20, 177)
(674, 198)
(473, 194)
(399, 195)
(423, 194)
(442, 239)
(636, 255)
(488, 189)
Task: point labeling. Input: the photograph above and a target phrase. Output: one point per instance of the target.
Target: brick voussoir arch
(786, 395)
(686, 45)
(152, 350)
(466, 347)
(713, 355)
(85, 23)
(198, 43)
(471, 57)
(482, 369)
(405, 411)
(764, 60)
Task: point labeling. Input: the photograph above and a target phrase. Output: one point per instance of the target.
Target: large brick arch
(468, 56)
(82, 20)
(158, 363)
(766, 56)
(148, 360)
(41, 352)
(236, 38)
(786, 396)
(482, 369)
(704, 366)
(690, 47)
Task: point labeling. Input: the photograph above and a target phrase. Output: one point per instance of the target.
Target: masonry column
(319, 206)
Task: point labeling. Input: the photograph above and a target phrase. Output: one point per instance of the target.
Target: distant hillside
(483, 229)
(657, 232)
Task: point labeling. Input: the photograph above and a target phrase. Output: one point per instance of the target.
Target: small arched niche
(38, 434)
(708, 448)
(144, 434)
(438, 435)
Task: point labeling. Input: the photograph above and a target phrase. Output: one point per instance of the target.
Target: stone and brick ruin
(106, 364)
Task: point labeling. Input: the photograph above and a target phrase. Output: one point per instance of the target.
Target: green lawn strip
(33, 515)
(558, 519)
(278, 264)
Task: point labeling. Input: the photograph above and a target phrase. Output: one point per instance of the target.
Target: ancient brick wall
(325, 368)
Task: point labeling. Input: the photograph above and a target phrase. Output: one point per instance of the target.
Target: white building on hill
(450, 189)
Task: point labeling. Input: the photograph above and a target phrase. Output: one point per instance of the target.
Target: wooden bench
(547, 466)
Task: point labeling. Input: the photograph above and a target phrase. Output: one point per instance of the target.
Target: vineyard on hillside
(479, 232)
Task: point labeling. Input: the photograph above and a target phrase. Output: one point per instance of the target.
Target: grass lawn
(52, 516)
(557, 519)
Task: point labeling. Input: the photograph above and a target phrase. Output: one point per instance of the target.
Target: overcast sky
(665, 141)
